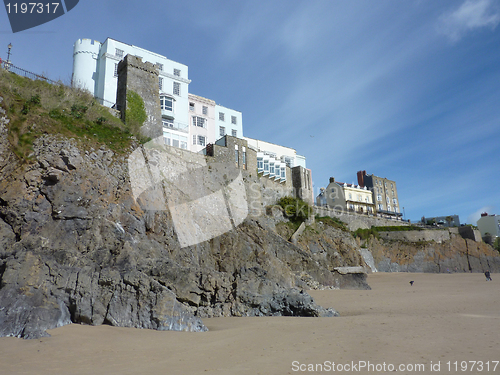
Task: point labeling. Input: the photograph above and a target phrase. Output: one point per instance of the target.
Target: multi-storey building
(385, 193)
(282, 154)
(346, 197)
(227, 121)
(95, 68)
(202, 113)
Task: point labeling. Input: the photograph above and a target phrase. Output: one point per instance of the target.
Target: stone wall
(261, 191)
(355, 221)
(436, 235)
(142, 78)
(302, 182)
(470, 233)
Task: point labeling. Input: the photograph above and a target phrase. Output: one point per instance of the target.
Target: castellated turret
(85, 57)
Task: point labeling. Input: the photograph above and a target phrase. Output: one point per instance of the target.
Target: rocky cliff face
(454, 255)
(76, 247)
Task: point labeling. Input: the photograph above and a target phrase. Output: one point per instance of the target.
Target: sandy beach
(436, 324)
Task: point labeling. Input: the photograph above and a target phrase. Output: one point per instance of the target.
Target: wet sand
(441, 318)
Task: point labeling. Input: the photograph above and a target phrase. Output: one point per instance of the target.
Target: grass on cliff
(365, 234)
(332, 222)
(36, 108)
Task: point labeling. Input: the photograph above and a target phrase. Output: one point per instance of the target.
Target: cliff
(437, 251)
(75, 246)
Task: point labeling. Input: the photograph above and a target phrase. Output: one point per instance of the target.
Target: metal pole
(8, 56)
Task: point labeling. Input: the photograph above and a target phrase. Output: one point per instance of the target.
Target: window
(233, 120)
(236, 156)
(116, 70)
(245, 158)
(350, 196)
(283, 173)
(394, 201)
(119, 53)
(379, 198)
(234, 133)
(222, 131)
(388, 207)
(160, 67)
(194, 139)
(177, 88)
(205, 110)
(266, 165)
(260, 164)
(177, 72)
(160, 83)
(221, 116)
(191, 106)
(167, 123)
(201, 140)
(166, 103)
(380, 207)
(359, 197)
(198, 121)
(174, 140)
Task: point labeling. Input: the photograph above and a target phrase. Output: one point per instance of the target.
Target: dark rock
(75, 246)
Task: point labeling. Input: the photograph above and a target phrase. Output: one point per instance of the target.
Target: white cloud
(473, 218)
(471, 15)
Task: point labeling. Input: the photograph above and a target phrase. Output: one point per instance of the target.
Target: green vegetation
(332, 222)
(135, 115)
(295, 209)
(36, 108)
(365, 234)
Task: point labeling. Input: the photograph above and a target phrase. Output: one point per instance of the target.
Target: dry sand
(443, 317)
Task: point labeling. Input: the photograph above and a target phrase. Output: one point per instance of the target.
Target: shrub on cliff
(295, 209)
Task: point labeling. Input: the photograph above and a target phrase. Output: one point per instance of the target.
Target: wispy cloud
(473, 218)
(471, 15)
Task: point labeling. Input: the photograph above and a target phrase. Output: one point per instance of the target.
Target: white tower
(85, 57)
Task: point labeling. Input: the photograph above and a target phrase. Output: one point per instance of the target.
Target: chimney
(361, 178)
(332, 179)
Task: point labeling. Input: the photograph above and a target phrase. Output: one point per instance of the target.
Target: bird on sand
(411, 282)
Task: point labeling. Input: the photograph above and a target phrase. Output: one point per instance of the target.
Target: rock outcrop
(75, 246)
(454, 255)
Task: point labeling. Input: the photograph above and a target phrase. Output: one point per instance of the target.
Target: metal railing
(6, 65)
(9, 67)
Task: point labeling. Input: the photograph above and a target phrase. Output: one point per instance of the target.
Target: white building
(95, 68)
(189, 121)
(228, 121)
(283, 154)
(489, 224)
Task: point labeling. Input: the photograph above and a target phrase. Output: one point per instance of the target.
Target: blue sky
(408, 90)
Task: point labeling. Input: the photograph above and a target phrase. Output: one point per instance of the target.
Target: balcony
(174, 125)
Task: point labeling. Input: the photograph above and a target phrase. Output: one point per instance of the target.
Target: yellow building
(346, 197)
